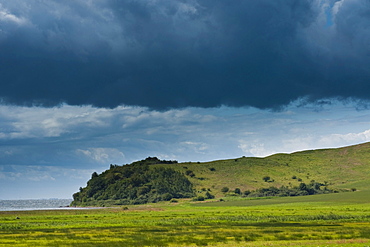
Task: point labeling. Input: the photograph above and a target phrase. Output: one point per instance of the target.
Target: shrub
(225, 189)
(209, 195)
(246, 193)
(302, 186)
(167, 197)
(190, 173)
(237, 191)
(199, 198)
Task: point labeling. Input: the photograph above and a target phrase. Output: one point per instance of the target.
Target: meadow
(341, 219)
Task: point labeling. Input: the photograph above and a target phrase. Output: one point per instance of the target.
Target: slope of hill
(342, 168)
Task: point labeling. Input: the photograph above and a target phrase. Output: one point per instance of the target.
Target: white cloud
(39, 122)
(103, 155)
(256, 150)
(197, 147)
(187, 8)
(263, 148)
(6, 16)
(335, 140)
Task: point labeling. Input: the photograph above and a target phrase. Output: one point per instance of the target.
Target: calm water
(13, 205)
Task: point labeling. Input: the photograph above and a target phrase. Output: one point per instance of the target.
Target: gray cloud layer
(179, 53)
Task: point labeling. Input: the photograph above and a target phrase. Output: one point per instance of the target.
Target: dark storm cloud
(181, 53)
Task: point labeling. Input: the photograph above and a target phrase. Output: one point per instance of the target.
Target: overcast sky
(89, 83)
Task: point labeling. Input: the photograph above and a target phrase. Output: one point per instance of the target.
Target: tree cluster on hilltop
(137, 183)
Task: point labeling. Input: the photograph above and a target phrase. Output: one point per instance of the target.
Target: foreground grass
(324, 220)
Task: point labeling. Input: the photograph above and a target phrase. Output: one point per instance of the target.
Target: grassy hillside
(153, 180)
(343, 168)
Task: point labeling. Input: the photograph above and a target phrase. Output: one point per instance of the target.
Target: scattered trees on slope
(300, 190)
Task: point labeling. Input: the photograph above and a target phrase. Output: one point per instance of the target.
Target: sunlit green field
(324, 220)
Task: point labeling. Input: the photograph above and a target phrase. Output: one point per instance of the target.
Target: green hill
(346, 168)
(343, 168)
(137, 183)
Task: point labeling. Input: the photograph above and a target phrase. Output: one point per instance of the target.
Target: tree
(266, 178)
(237, 191)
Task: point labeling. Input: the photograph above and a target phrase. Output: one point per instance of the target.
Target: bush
(199, 198)
(246, 193)
(190, 173)
(225, 189)
(167, 196)
(209, 195)
(237, 191)
(302, 186)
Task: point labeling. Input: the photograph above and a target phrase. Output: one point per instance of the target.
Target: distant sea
(34, 204)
